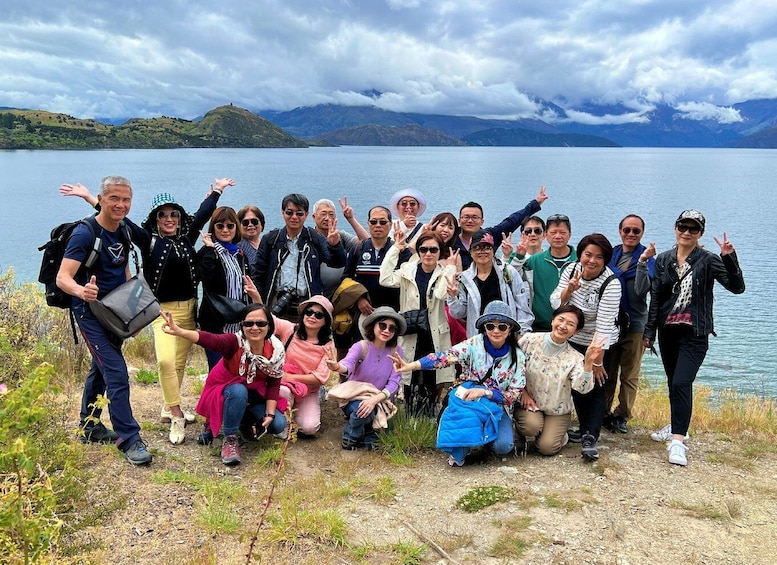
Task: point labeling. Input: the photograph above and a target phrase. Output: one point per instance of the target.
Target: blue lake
(595, 187)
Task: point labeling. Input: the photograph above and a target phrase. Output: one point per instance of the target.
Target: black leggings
(590, 407)
(682, 354)
(421, 393)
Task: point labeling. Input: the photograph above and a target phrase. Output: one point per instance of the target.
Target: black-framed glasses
(252, 323)
(315, 313)
(693, 230)
(470, 218)
(385, 327)
(628, 230)
(423, 249)
(250, 222)
(535, 231)
(298, 213)
(502, 327)
(375, 222)
(556, 218)
(222, 225)
(172, 213)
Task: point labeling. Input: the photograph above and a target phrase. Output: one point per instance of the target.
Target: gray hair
(324, 202)
(113, 180)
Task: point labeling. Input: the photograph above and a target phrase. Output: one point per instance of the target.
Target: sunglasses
(408, 204)
(384, 327)
(502, 327)
(557, 218)
(423, 249)
(172, 213)
(222, 225)
(250, 222)
(482, 248)
(682, 228)
(376, 222)
(635, 231)
(252, 323)
(535, 231)
(298, 213)
(315, 313)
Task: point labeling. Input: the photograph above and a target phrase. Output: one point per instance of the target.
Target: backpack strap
(605, 283)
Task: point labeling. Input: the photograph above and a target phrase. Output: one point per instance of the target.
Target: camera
(283, 300)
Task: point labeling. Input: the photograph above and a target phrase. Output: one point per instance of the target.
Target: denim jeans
(502, 445)
(358, 429)
(107, 375)
(235, 405)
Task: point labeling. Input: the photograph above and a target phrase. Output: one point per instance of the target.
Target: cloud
(607, 119)
(706, 111)
(487, 58)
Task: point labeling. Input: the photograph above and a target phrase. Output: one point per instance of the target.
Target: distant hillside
(766, 139)
(501, 137)
(371, 134)
(225, 126)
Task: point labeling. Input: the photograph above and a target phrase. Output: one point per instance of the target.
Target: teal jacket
(545, 276)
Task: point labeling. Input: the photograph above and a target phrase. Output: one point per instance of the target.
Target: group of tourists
(498, 340)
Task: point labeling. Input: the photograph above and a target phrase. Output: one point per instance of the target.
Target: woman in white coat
(422, 283)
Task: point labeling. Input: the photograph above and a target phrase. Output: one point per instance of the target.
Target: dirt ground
(632, 507)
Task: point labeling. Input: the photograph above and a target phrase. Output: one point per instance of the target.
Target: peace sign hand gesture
(453, 286)
(347, 210)
(507, 244)
(541, 196)
(333, 235)
(399, 237)
(726, 247)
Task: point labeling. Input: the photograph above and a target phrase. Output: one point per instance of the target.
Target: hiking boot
(588, 449)
(677, 451)
(618, 425)
(230, 453)
(166, 416)
(664, 434)
(205, 437)
(98, 433)
(349, 444)
(177, 430)
(575, 436)
(520, 445)
(138, 454)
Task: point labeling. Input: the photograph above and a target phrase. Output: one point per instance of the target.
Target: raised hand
(221, 184)
(333, 235)
(250, 289)
(507, 244)
(726, 246)
(541, 196)
(452, 258)
(574, 283)
(90, 290)
(522, 246)
(207, 239)
(453, 286)
(75, 190)
(650, 251)
(399, 236)
(410, 220)
(400, 366)
(347, 210)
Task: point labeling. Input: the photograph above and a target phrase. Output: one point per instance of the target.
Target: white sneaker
(677, 451)
(177, 430)
(165, 416)
(664, 434)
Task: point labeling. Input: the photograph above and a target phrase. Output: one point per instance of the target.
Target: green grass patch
(481, 497)
(147, 377)
(703, 511)
(384, 490)
(513, 538)
(408, 435)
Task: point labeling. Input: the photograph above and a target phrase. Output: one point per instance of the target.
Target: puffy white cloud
(706, 111)
(485, 57)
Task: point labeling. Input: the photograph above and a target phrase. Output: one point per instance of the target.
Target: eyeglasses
(682, 228)
(491, 326)
(315, 313)
(423, 249)
(535, 231)
(628, 230)
(376, 222)
(298, 213)
(469, 218)
(384, 327)
(250, 222)
(557, 218)
(222, 225)
(252, 323)
(161, 215)
(408, 204)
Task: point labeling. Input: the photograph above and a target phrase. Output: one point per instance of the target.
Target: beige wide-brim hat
(379, 314)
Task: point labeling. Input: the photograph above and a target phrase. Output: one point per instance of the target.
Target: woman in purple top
(368, 361)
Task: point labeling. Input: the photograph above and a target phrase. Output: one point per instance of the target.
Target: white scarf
(250, 362)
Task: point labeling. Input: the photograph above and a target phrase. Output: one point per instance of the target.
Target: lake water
(595, 187)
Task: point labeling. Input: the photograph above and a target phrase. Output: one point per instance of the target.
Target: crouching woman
(553, 370)
(252, 360)
(493, 370)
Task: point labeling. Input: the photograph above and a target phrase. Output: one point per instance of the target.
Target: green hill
(225, 126)
(405, 136)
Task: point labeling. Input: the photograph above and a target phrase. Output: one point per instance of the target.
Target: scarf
(630, 272)
(251, 362)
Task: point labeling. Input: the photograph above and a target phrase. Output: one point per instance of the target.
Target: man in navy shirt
(108, 373)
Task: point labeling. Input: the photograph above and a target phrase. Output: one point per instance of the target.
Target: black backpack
(54, 252)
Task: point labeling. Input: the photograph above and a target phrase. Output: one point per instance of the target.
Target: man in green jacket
(546, 268)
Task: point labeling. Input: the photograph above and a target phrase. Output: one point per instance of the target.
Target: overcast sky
(488, 58)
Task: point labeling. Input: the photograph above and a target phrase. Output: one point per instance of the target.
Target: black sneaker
(575, 436)
(98, 433)
(589, 451)
(618, 425)
(520, 445)
(205, 437)
(138, 454)
(349, 444)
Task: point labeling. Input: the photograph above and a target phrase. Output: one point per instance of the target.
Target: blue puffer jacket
(468, 423)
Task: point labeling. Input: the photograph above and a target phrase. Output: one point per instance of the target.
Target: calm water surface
(595, 187)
